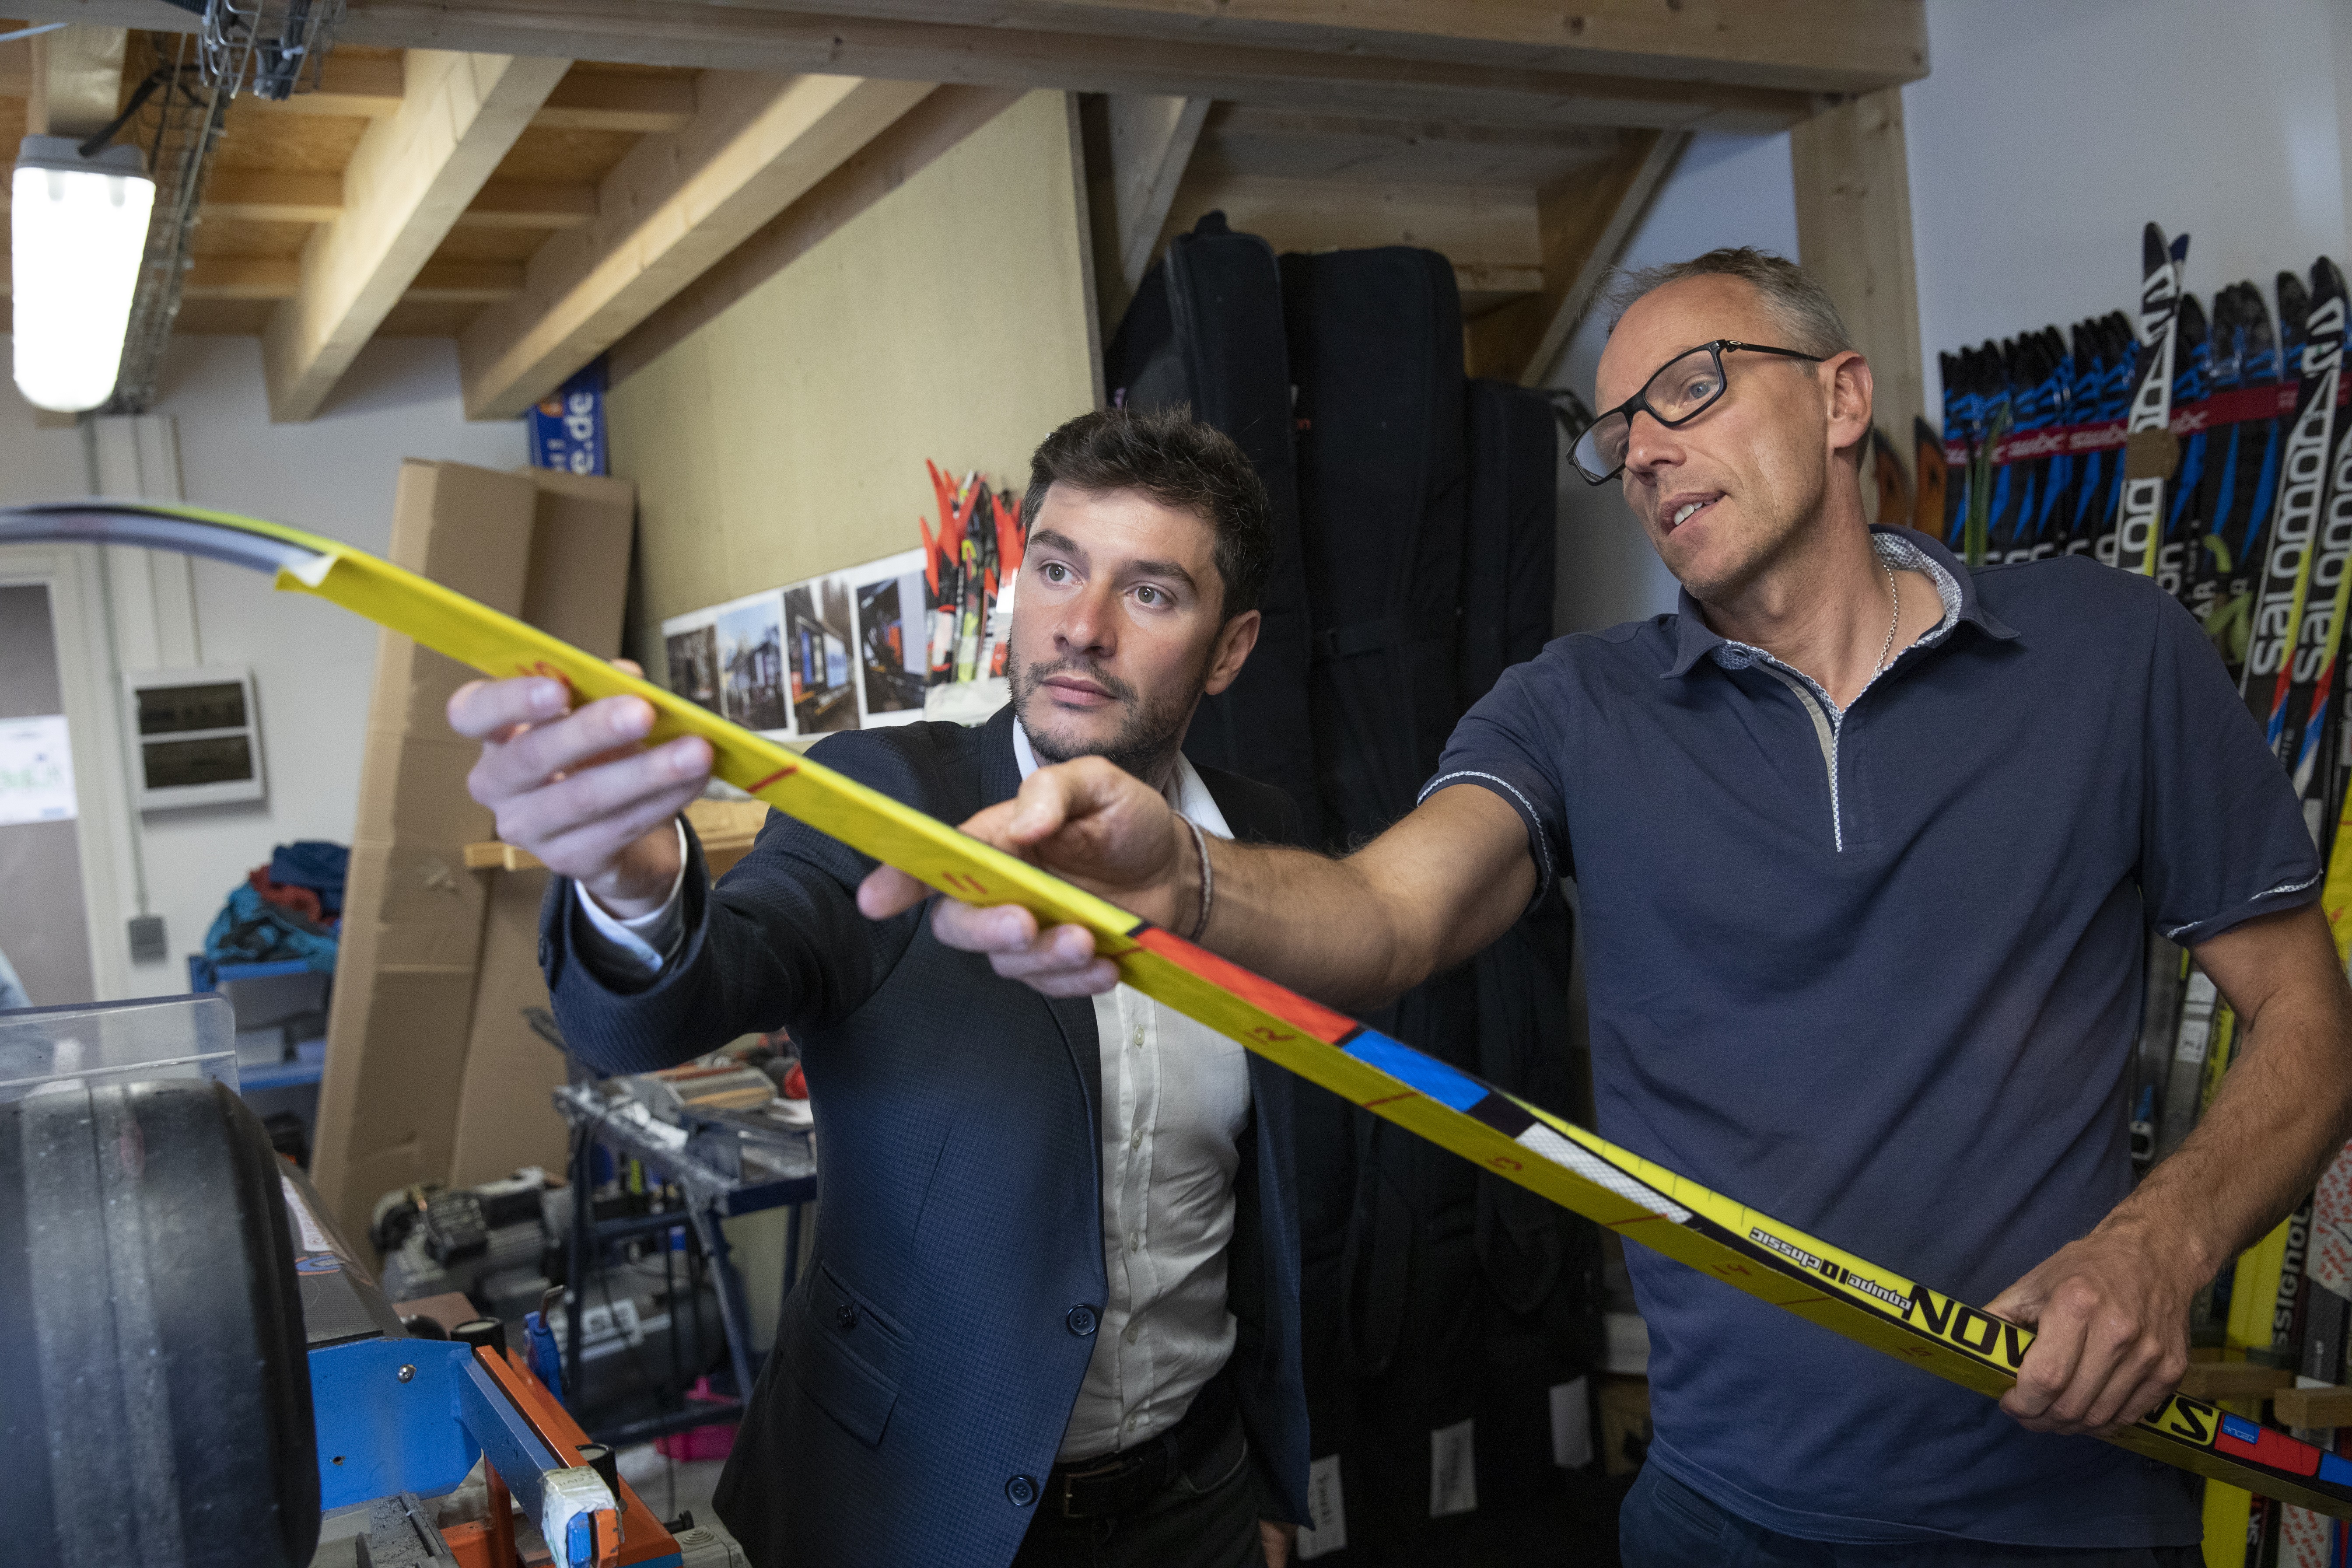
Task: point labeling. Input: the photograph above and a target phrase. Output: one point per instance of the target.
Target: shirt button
(1135, 1241)
(1021, 1491)
(1136, 1141)
(845, 1315)
(1081, 1319)
(1134, 1333)
(1139, 1034)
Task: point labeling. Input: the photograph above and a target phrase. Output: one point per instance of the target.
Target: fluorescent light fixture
(79, 230)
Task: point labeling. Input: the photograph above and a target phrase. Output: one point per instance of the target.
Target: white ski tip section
(312, 572)
(1541, 1140)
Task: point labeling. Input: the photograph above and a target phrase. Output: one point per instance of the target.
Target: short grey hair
(1798, 305)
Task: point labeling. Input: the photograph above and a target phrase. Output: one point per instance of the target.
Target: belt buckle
(1109, 1466)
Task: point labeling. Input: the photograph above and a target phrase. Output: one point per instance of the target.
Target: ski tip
(2180, 246)
(2151, 248)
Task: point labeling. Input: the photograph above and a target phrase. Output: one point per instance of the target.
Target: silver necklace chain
(1896, 593)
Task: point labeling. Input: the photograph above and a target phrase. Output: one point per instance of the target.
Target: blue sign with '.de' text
(567, 430)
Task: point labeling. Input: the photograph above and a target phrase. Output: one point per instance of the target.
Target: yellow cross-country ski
(1574, 1168)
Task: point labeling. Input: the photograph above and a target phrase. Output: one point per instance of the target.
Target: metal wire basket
(175, 121)
(271, 48)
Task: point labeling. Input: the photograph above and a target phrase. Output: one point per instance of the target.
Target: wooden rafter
(76, 81)
(1583, 223)
(507, 203)
(408, 181)
(1138, 145)
(644, 104)
(1854, 233)
(1729, 65)
(356, 86)
(675, 205)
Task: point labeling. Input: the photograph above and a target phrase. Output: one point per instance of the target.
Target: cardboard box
(412, 914)
(577, 589)
(434, 1073)
(505, 1115)
(579, 584)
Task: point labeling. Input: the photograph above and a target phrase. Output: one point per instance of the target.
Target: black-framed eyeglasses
(1684, 387)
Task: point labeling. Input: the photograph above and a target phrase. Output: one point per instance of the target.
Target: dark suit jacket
(926, 1361)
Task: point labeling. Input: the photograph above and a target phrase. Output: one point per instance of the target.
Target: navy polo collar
(1695, 639)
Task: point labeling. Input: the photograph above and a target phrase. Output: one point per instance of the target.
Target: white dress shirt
(1175, 1102)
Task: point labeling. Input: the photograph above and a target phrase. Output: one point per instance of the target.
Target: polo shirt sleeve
(1505, 745)
(2221, 833)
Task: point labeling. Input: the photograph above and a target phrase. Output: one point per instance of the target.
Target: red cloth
(303, 901)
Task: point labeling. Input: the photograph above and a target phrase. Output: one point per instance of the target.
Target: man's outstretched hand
(2110, 1318)
(1090, 823)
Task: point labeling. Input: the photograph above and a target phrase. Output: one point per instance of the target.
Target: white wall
(1725, 190)
(312, 661)
(2046, 136)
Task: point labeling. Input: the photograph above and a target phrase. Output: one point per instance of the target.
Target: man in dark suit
(1051, 1314)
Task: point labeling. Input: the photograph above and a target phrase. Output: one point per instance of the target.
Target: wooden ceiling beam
(225, 277)
(406, 183)
(466, 282)
(1748, 66)
(1584, 224)
(76, 85)
(248, 195)
(1854, 234)
(509, 204)
(355, 87)
(1489, 233)
(1815, 46)
(648, 105)
(1138, 145)
(243, 278)
(677, 203)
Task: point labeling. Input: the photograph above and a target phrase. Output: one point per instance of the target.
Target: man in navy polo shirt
(1867, 845)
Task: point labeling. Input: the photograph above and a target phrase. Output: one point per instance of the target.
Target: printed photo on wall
(817, 641)
(690, 643)
(892, 658)
(751, 663)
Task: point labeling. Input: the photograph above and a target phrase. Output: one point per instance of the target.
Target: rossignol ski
(2149, 449)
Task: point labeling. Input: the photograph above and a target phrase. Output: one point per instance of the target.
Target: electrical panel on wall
(196, 737)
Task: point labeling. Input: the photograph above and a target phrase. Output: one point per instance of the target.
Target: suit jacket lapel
(999, 780)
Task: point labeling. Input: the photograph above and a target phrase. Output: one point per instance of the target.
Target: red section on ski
(1311, 1017)
(2243, 405)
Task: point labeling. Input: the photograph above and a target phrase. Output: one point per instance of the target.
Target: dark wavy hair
(1177, 461)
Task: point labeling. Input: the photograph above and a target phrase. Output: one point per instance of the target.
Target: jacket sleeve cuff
(634, 951)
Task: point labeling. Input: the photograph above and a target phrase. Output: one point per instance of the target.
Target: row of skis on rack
(2206, 449)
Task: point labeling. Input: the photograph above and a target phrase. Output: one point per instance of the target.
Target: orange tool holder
(633, 1537)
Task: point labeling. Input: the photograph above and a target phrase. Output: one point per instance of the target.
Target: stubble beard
(1772, 540)
(1147, 737)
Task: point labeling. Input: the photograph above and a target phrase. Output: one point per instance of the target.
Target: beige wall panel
(949, 321)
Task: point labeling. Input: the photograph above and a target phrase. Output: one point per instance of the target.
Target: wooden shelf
(2314, 1407)
(2233, 1380)
(726, 828)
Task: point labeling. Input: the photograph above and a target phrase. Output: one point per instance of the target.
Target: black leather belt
(1116, 1483)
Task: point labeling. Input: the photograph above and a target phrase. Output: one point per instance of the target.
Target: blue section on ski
(1427, 1074)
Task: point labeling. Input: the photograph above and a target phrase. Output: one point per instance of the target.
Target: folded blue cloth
(251, 929)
